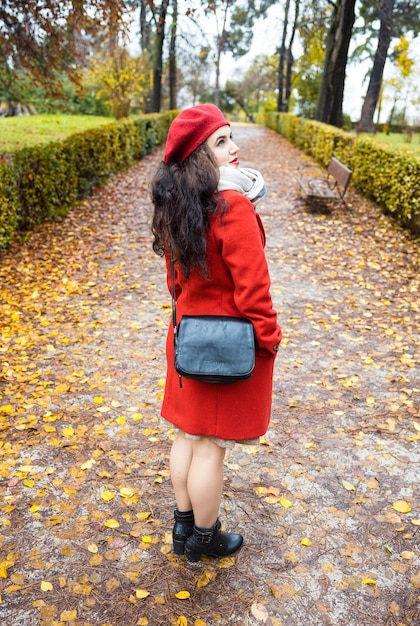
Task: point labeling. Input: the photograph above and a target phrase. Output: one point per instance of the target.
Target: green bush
(9, 205)
(388, 176)
(41, 182)
(46, 183)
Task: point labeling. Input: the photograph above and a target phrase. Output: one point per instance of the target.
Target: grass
(396, 140)
(20, 132)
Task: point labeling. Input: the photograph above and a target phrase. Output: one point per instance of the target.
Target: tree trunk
(220, 47)
(172, 57)
(290, 59)
(366, 124)
(158, 57)
(281, 106)
(144, 27)
(330, 97)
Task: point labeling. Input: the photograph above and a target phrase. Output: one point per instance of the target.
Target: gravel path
(321, 501)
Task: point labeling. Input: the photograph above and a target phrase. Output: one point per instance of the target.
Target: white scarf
(245, 180)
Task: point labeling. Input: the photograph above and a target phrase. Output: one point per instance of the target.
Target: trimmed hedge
(42, 182)
(389, 177)
(9, 205)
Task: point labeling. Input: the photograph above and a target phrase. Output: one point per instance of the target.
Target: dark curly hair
(184, 196)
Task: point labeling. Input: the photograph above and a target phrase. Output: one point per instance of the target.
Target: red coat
(238, 285)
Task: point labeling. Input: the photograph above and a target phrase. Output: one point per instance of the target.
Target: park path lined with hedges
(328, 502)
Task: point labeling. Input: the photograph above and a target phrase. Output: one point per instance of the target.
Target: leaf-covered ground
(328, 502)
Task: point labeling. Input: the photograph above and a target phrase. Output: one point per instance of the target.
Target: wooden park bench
(328, 187)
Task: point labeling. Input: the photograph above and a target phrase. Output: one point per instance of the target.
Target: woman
(205, 221)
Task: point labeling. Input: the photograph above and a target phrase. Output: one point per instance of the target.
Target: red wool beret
(190, 129)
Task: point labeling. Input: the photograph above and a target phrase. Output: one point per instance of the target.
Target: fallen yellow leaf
(226, 563)
(272, 500)
(107, 495)
(309, 444)
(367, 360)
(68, 616)
(285, 502)
(111, 523)
(328, 568)
(143, 515)
(369, 581)
(348, 486)
(92, 548)
(126, 492)
(46, 586)
(88, 464)
(407, 555)
(259, 611)
(96, 559)
(182, 595)
(142, 593)
(202, 581)
(4, 566)
(36, 604)
(306, 541)
(69, 490)
(401, 506)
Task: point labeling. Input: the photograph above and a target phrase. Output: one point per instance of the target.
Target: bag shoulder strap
(173, 294)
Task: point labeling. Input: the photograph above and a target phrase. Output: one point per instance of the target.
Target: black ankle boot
(183, 528)
(212, 542)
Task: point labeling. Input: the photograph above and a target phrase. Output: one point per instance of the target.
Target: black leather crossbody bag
(212, 348)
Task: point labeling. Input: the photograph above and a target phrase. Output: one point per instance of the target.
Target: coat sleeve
(241, 239)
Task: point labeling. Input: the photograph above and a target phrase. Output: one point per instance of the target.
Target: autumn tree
(396, 18)
(330, 97)
(286, 56)
(120, 80)
(53, 36)
(375, 81)
(399, 82)
(308, 68)
(234, 20)
(194, 75)
(153, 31)
(257, 86)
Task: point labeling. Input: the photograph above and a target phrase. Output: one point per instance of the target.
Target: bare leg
(205, 481)
(179, 463)
(197, 477)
